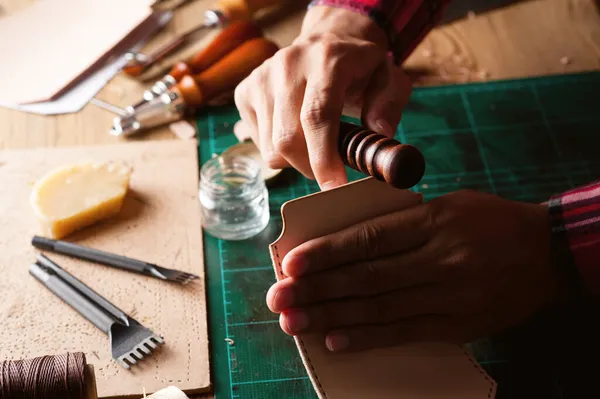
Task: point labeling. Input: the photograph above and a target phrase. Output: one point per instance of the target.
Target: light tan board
(94, 29)
(159, 223)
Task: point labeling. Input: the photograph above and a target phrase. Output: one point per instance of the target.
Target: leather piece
(416, 371)
(31, 40)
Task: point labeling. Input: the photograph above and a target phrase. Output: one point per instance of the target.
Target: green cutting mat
(521, 139)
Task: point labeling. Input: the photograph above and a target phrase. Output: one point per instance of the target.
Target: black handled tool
(113, 260)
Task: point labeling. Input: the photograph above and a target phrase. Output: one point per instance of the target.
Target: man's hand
(455, 269)
(292, 104)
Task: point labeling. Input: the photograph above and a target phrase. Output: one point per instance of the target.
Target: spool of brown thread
(64, 376)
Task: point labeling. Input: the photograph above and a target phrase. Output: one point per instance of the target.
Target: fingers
(320, 115)
(264, 117)
(288, 137)
(381, 309)
(388, 92)
(243, 102)
(375, 238)
(363, 279)
(432, 328)
(242, 131)
(294, 101)
(255, 103)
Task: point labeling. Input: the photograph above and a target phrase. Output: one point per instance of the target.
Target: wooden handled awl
(221, 14)
(224, 42)
(226, 74)
(194, 91)
(383, 158)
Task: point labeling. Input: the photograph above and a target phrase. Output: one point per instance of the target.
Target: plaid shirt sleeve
(575, 214)
(575, 217)
(406, 22)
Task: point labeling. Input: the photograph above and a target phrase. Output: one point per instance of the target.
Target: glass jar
(233, 197)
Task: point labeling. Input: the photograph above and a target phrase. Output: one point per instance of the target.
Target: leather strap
(416, 371)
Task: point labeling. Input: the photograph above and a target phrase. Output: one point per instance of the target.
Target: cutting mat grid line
(521, 139)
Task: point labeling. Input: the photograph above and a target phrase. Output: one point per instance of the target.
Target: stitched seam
(481, 371)
(316, 377)
(312, 368)
(280, 269)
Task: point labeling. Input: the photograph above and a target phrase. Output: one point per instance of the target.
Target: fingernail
(328, 185)
(284, 299)
(383, 127)
(295, 266)
(297, 320)
(337, 342)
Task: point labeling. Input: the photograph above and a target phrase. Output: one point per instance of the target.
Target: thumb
(387, 93)
(243, 131)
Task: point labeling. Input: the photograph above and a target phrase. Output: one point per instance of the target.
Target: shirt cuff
(405, 22)
(575, 219)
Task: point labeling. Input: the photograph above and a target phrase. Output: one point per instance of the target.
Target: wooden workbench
(527, 38)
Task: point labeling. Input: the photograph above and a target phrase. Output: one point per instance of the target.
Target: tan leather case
(416, 371)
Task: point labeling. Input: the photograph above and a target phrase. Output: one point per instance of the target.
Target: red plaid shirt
(575, 214)
(406, 22)
(576, 223)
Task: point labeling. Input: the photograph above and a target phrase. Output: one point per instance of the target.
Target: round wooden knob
(400, 165)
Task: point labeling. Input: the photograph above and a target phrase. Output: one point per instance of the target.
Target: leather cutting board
(160, 222)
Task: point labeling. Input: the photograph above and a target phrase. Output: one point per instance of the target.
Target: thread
(45, 377)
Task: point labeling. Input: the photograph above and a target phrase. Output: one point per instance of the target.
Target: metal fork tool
(129, 340)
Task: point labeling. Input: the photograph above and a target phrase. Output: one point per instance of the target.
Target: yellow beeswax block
(75, 196)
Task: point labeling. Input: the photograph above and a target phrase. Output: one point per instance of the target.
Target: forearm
(575, 217)
(405, 22)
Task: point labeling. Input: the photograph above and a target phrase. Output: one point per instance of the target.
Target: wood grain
(525, 39)
(528, 38)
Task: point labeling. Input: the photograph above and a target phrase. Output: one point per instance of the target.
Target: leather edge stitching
(312, 368)
(481, 371)
(316, 377)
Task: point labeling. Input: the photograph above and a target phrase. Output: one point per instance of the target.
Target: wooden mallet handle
(242, 9)
(227, 40)
(225, 74)
(400, 165)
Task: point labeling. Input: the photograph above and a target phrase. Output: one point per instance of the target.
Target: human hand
(461, 267)
(292, 104)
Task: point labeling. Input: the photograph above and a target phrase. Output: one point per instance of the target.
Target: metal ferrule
(134, 59)
(166, 108)
(157, 89)
(213, 18)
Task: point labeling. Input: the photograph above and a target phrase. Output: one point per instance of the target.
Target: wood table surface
(478, 41)
(526, 38)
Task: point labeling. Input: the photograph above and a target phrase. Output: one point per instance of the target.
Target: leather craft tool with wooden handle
(194, 91)
(223, 13)
(383, 158)
(231, 37)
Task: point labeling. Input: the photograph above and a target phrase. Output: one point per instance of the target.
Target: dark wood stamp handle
(400, 165)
